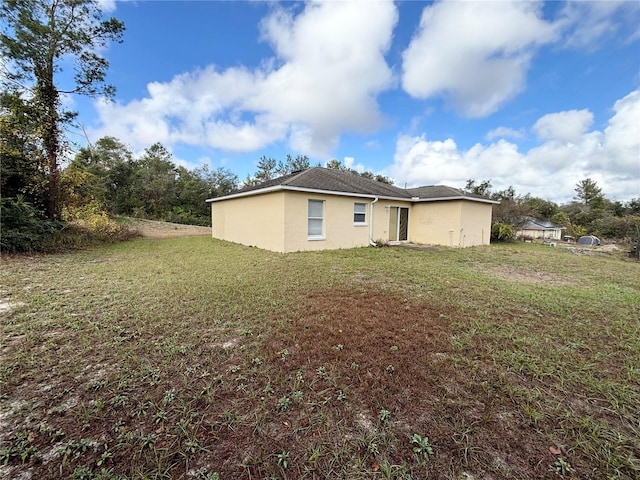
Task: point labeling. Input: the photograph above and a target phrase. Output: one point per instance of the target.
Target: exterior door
(398, 224)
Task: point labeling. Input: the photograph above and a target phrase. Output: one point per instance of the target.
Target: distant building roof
(537, 224)
(319, 179)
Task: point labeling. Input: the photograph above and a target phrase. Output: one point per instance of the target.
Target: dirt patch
(6, 306)
(530, 276)
(154, 229)
(386, 352)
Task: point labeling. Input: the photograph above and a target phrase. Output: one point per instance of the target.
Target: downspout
(371, 242)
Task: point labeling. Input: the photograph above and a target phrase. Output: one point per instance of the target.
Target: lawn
(198, 359)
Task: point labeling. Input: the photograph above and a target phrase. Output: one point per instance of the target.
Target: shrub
(89, 225)
(502, 232)
(23, 228)
(187, 217)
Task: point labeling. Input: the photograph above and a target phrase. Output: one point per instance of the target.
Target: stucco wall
(436, 223)
(554, 234)
(450, 223)
(254, 220)
(339, 228)
(476, 223)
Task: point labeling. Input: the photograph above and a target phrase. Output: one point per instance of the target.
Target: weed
(257, 361)
(75, 448)
(561, 467)
(421, 446)
(160, 416)
(21, 448)
(169, 396)
(283, 459)
(297, 396)
(104, 456)
(268, 389)
(85, 473)
(283, 403)
(384, 416)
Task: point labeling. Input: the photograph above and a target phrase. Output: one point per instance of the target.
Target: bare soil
(529, 275)
(155, 229)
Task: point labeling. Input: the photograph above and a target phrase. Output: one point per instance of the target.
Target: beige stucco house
(321, 209)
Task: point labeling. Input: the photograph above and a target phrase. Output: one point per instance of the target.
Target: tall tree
(22, 165)
(291, 164)
(95, 174)
(482, 188)
(38, 37)
(588, 193)
(155, 181)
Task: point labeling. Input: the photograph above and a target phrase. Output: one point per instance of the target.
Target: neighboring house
(535, 228)
(320, 209)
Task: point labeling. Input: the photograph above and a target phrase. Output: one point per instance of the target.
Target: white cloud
(504, 132)
(350, 162)
(549, 170)
(568, 126)
(476, 54)
(622, 136)
(589, 24)
(293, 97)
(107, 6)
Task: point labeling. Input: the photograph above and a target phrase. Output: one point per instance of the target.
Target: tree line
(590, 212)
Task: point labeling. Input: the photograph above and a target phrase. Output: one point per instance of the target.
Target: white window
(360, 213)
(315, 221)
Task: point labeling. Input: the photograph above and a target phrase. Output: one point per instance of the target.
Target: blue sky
(529, 94)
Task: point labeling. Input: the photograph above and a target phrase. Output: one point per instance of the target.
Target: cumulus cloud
(568, 152)
(622, 136)
(293, 97)
(588, 24)
(568, 126)
(504, 132)
(475, 54)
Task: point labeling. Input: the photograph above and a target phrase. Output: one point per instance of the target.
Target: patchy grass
(198, 359)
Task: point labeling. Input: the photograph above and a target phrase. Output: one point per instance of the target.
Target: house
(319, 209)
(535, 228)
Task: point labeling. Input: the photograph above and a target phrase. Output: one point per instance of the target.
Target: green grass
(195, 358)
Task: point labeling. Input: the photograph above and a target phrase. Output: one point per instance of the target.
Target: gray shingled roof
(330, 180)
(537, 224)
(442, 191)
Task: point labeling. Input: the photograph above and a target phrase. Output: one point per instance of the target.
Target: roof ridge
(295, 175)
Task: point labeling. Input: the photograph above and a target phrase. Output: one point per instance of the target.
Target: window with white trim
(315, 220)
(360, 213)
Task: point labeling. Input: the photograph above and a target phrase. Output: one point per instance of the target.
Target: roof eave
(307, 190)
(458, 197)
(277, 188)
(274, 188)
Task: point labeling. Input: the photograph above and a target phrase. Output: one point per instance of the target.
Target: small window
(360, 213)
(315, 220)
